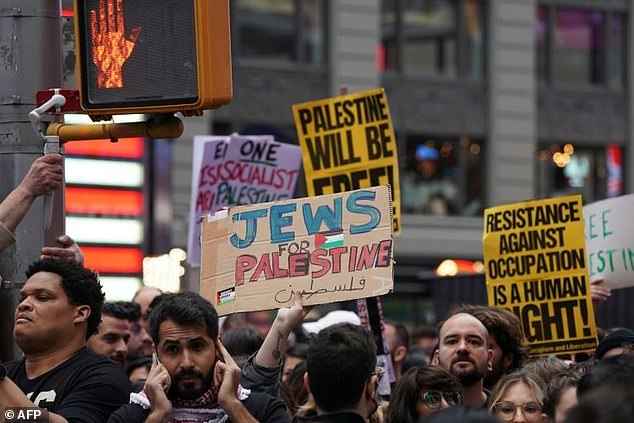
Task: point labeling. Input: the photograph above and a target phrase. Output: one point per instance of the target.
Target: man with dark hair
(114, 331)
(620, 341)
(398, 340)
(606, 404)
(59, 308)
(464, 351)
(561, 393)
(505, 339)
(607, 372)
(195, 379)
(341, 374)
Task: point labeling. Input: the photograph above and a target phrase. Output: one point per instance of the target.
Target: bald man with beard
(464, 351)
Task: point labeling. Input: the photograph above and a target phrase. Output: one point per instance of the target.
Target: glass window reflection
(578, 41)
(282, 30)
(313, 44)
(389, 30)
(594, 172)
(442, 176)
(581, 46)
(473, 22)
(429, 37)
(433, 37)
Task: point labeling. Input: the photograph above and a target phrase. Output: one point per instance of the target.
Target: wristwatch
(3, 371)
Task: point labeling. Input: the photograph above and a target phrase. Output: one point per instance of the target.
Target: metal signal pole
(30, 60)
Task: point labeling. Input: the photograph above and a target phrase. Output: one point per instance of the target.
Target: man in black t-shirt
(59, 308)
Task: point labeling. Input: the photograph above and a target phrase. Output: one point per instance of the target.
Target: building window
(577, 52)
(436, 37)
(595, 173)
(580, 46)
(442, 176)
(280, 30)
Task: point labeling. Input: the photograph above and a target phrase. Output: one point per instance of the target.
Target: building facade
(493, 102)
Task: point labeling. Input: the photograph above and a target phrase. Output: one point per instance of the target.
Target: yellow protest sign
(348, 143)
(535, 261)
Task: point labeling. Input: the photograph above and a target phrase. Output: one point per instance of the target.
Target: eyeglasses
(506, 410)
(433, 399)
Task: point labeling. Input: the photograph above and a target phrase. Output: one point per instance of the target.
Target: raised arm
(45, 174)
(276, 342)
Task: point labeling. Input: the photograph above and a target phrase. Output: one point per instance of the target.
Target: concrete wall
(354, 35)
(512, 97)
(509, 110)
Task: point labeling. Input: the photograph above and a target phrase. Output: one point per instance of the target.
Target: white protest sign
(238, 170)
(208, 156)
(610, 241)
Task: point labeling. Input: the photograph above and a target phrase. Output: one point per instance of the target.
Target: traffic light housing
(150, 56)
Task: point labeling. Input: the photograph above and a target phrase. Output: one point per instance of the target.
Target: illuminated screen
(134, 55)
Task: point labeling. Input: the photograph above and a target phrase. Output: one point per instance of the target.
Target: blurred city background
(493, 101)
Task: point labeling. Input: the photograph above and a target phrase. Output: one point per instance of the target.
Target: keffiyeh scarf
(204, 409)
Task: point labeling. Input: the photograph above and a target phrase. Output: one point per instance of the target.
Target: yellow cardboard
(348, 143)
(534, 254)
(329, 248)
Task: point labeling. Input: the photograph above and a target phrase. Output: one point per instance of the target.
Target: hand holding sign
(276, 342)
(289, 318)
(599, 293)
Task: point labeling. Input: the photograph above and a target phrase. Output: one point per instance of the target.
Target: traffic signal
(151, 56)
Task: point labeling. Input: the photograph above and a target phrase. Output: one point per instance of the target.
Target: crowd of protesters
(167, 357)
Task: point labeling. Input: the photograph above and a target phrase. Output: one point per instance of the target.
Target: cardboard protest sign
(330, 248)
(610, 241)
(208, 156)
(348, 143)
(536, 267)
(238, 170)
(262, 170)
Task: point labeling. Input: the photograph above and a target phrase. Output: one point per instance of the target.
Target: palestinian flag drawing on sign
(329, 239)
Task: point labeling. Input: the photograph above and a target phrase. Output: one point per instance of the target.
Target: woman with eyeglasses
(518, 398)
(421, 392)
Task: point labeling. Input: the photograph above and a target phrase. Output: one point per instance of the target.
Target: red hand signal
(110, 49)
